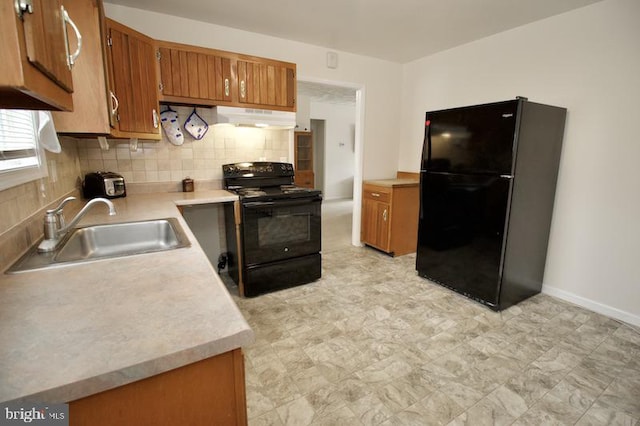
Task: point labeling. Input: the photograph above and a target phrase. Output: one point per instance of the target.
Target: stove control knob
(269, 168)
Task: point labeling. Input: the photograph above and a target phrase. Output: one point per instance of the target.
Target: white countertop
(76, 330)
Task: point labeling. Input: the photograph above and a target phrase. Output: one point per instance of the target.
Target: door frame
(359, 150)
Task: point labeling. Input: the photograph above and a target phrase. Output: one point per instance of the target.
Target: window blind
(18, 143)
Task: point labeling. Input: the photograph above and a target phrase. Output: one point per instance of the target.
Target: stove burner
(251, 192)
(287, 189)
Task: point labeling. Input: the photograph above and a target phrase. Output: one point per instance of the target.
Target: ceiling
(394, 30)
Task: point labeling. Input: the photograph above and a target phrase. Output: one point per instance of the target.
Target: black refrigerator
(487, 185)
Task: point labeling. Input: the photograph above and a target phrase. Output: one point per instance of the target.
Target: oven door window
(281, 229)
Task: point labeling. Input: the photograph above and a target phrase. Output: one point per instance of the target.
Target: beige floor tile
(270, 418)
(601, 414)
(373, 343)
(370, 410)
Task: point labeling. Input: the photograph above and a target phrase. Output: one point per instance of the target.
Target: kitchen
(594, 236)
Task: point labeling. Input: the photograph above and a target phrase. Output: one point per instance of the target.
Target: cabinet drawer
(376, 193)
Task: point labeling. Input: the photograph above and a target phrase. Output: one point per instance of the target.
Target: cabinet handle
(71, 58)
(155, 119)
(375, 194)
(23, 6)
(243, 89)
(226, 87)
(114, 103)
(384, 215)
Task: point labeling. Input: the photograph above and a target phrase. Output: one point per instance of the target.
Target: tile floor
(372, 343)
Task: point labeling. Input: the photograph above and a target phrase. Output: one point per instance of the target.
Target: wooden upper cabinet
(266, 83)
(193, 75)
(47, 44)
(34, 52)
(201, 76)
(90, 115)
(133, 82)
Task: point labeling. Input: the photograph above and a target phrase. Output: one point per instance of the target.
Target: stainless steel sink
(108, 241)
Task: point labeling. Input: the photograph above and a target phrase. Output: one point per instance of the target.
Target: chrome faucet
(54, 224)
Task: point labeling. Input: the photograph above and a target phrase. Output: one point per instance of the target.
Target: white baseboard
(592, 305)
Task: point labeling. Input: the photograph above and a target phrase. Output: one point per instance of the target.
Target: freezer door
(471, 140)
(461, 229)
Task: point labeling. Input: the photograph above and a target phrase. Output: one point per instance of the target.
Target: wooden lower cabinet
(305, 178)
(207, 392)
(390, 216)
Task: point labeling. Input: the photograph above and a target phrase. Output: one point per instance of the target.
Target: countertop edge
(114, 379)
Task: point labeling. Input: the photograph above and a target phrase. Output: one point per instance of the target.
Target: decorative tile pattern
(372, 343)
(161, 161)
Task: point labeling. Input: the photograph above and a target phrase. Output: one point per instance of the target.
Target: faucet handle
(58, 209)
(59, 214)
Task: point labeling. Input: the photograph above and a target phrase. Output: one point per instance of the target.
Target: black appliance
(487, 185)
(279, 231)
(103, 184)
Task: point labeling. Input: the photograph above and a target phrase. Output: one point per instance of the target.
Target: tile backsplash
(22, 207)
(199, 159)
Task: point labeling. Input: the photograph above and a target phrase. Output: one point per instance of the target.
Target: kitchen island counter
(76, 330)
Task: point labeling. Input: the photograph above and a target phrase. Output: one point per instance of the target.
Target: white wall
(339, 155)
(588, 61)
(382, 99)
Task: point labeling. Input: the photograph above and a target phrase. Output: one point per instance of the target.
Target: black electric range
(276, 242)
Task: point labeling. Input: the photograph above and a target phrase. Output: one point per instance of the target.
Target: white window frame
(19, 175)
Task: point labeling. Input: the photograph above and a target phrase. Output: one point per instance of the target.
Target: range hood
(250, 117)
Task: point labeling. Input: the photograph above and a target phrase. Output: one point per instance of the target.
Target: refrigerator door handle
(506, 176)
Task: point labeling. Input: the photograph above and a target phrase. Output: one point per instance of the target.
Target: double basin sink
(107, 241)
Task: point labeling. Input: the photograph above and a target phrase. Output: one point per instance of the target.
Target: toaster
(103, 184)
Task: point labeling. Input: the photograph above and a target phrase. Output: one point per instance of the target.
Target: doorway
(337, 93)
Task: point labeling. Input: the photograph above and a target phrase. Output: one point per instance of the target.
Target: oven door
(280, 229)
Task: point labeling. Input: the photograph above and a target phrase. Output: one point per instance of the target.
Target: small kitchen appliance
(278, 240)
(103, 184)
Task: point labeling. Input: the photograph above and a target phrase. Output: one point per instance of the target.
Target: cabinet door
(91, 110)
(194, 75)
(266, 83)
(375, 224)
(303, 151)
(304, 178)
(33, 58)
(45, 36)
(134, 82)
